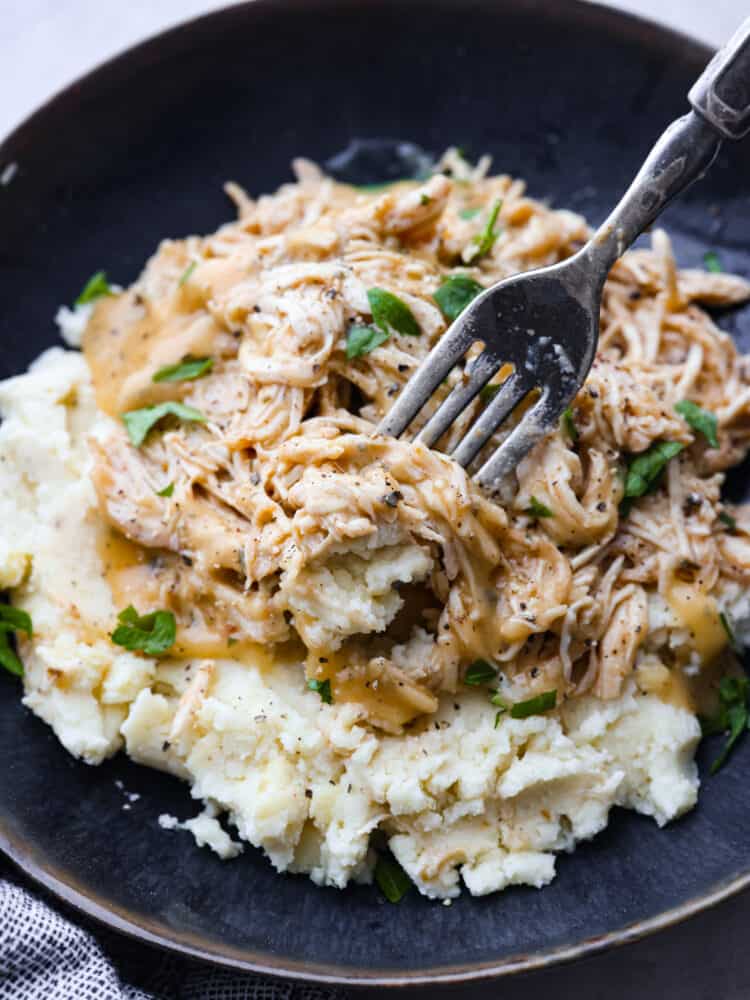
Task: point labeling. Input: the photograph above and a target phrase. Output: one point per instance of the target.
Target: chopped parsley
(732, 717)
(469, 213)
(323, 688)
(480, 672)
(455, 293)
(537, 509)
(485, 241)
(645, 470)
(727, 626)
(362, 339)
(186, 274)
(728, 520)
(167, 491)
(389, 313)
(12, 620)
(488, 392)
(424, 199)
(139, 422)
(187, 370)
(392, 880)
(95, 288)
(152, 634)
(534, 706)
(712, 263)
(569, 424)
(702, 421)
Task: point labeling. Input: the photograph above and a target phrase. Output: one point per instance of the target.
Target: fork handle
(721, 110)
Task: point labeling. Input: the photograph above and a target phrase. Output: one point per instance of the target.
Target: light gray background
(44, 44)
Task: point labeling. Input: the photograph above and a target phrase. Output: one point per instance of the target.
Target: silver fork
(545, 323)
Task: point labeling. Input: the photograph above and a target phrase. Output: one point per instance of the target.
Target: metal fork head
(545, 323)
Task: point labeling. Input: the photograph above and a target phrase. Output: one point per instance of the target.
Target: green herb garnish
(12, 620)
(185, 276)
(95, 288)
(480, 672)
(455, 293)
(424, 199)
(732, 716)
(569, 424)
(712, 263)
(323, 688)
(488, 392)
(389, 313)
(362, 339)
(645, 470)
(727, 626)
(534, 706)
(392, 880)
(469, 213)
(728, 520)
(139, 422)
(167, 491)
(152, 634)
(485, 241)
(537, 509)
(187, 370)
(703, 421)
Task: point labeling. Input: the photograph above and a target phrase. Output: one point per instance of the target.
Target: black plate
(570, 97)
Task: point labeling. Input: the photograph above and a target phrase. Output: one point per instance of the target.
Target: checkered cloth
(46, 956)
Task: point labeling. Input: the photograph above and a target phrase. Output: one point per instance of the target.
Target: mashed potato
(295, 551)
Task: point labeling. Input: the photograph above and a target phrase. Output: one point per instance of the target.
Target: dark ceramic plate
(569, 96)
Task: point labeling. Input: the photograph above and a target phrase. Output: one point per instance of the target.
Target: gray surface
(43, 44)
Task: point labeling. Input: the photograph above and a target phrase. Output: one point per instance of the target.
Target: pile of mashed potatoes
(355, 621)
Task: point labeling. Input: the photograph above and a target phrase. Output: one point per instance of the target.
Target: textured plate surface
(570, 97)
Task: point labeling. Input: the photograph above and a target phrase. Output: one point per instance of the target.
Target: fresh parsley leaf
(703, 421)
(569, 424)
(392, 880)
(187, 370)
(534, 706)
(15, 620)
(153, 633)
(537, 509)
(139, 422)
(167, 491)
(645, 470)
(728, 520)
(95, 288)
(737, 719)
(712, 263)
(186, 274)
(362, 339)
(488, 392)
(727, 625)
(455, 293)
(424, 199)
(480, 672)
(389, 313)
(469, 213)
(485, 241)
(323, 688)
(12, 620)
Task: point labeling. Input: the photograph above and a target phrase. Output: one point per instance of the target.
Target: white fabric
(44, 956)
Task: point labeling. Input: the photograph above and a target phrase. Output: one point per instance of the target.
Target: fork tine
(534, 424)
(441, 359)
(512, 391)
(478, 374)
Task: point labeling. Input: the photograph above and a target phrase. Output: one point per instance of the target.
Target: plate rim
(579, 11)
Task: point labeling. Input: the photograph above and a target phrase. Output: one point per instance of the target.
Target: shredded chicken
(290, 520)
